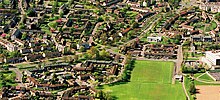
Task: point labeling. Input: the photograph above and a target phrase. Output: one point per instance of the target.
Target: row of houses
(32, 57)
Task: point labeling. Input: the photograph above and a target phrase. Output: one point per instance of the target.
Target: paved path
(18, 76)
(178, 63)
(203, 81)
(201, 75)
(179, 60)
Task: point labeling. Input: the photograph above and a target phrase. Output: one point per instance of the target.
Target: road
(179, 60)
(21, 7)
(145, 31)
(22, 11)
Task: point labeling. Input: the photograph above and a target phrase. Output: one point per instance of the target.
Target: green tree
(31, 13)
(61, 14)
(93, 53)
(24, 36)
(3, 83)
(76, 58)
(135, 25)
(1, 76)
(192, 88)
(104, 55)
(100, 19)
(14, 54)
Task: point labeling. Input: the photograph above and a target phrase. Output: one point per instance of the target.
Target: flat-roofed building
(212, 59)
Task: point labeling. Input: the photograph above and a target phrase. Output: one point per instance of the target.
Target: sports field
(150, 80)
(206, 92)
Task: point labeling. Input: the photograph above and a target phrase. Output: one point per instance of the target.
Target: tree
(82, 49)
(31, 13)
(129, 34)
(104, 55)
(24, 36)
(3, 83)
(14, 54)
(75, 57)
(70, 2)
(6, 67)
(135, 25)
(61, 14)
(93, 53)
(54, 7)
(1, 76)
(21, 26)
(54, 79)
(217, 16)
(124, 76)
(192, 88)
(100, 19)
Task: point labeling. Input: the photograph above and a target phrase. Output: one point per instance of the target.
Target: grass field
(9, 78)
(206, 77)
(150, 80)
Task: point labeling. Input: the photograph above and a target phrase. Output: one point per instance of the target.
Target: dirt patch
(208, 92)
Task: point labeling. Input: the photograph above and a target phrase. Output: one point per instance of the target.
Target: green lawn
(206, 77)
(9, 78)
(150, 80)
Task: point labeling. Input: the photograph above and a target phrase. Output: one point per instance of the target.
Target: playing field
(208, 92)
(150, 80)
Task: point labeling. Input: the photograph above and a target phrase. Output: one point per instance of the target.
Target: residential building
(154, 39)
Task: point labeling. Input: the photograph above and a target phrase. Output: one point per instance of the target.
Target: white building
(212, 59)
(154, 39)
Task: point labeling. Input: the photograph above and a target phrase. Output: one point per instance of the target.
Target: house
(135, 53)
(141, 17)
(188, 27)
(78, 6)
(51, 54)
(179, 77)
(200, 38)
(20, 42)
(24, 51)
(126, 30)
(193, 32)
(10, 47)
(33, 57)
(84, 77)
(197, 38)
(213, 33)
(207, 39)
(36, 49)
(154, 39)
(14, 60)
(16, 34)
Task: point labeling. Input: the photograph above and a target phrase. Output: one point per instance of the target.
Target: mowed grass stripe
(150, 80)
(152, 72)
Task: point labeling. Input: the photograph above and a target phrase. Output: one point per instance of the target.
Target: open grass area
(209, 27)
(201, 83)
(8, 77)
(150, 80)
(26, 66)
(206, 77)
